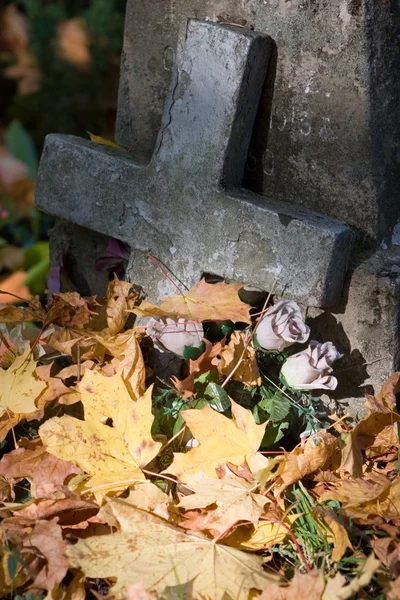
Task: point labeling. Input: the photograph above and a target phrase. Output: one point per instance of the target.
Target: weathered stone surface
(334, 134)
(185, 207)
(365, 328)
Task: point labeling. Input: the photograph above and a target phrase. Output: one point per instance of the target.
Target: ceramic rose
(175, 336)
(281, 326)
(312, 368)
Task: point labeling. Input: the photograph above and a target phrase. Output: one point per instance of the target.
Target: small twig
(164, 272)
(296, 543)
(78, 362)
(37, 340)
(173, 438)
(14, 295)
(168, 479)
(12, 428)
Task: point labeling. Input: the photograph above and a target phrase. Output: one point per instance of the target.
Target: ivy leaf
(217, 397)
(277, 407)
(273, 434)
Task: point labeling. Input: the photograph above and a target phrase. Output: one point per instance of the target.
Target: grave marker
(331, 144)
(186, 207)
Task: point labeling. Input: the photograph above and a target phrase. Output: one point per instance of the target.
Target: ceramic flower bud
(282, 325)
(175, 336)
(312, 368)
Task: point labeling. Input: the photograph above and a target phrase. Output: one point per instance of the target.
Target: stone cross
(187, 207)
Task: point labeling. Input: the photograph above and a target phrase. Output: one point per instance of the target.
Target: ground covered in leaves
(131, 473)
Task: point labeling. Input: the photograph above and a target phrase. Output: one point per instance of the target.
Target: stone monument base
(364, 325)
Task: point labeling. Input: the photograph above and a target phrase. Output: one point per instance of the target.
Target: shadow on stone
(254, 170)
(351, 370)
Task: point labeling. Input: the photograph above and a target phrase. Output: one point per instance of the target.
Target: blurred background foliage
(59, 72)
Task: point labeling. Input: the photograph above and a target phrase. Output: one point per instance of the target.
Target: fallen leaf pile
(118, 479)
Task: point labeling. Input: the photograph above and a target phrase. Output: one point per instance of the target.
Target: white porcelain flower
(282, 325)
(175, 336)
(312, 368)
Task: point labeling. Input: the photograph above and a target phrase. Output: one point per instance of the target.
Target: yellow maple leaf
(150, 549)
(111, 455)
(269, 533)
(19, 386)
(221, 440)
(204, 302)
(338, 537)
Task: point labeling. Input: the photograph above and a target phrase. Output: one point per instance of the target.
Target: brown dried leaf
(46, 541)
(11, 314)
(368, 501)
(392, 590)
(196, 367)
(386, 399)
(68, 511)
(307, 459)
(304, 586)
(312, 586)
(209, 302)
(119, 302)
(74, 42)
(56, 389)
(363, 436)
(45, 472)
(71, 310)
(204, 302)
(340, 538)
(238, 352)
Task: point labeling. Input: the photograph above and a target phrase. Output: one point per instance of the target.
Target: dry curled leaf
(307, 459)
(45, 472)
(366, 500)
(339, 535)
(239, 358)
(46, 541)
